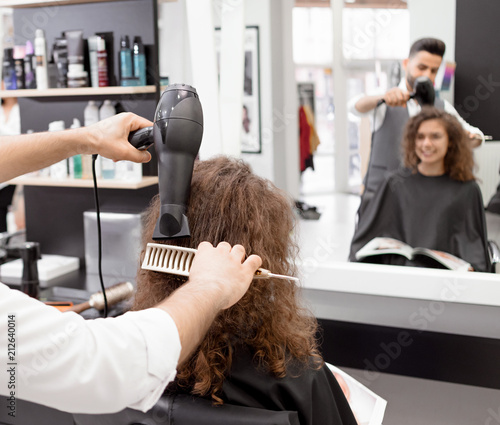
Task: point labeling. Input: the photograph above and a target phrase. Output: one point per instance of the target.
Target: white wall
(284, 95)
(174, 57)
(257, 12)
(279, 158)
(432, 18)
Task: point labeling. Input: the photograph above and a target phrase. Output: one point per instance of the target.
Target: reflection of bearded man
(246, 120)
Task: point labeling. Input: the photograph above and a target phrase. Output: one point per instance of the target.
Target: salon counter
(426, 323)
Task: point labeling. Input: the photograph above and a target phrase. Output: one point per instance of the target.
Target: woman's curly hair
(230, 203)
(459, 160)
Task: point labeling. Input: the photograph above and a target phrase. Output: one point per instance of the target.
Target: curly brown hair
(459, 160)
(230, 203)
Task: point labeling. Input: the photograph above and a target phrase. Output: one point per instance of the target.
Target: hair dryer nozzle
(172, 223)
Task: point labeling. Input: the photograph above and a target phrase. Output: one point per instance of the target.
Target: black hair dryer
(177, 134)
(423, 91)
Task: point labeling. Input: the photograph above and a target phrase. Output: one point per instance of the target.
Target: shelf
(101, 183)
(40, 3)
(84, 91)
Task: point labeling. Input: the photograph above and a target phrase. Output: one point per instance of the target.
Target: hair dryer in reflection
(176, 134)
(423, 92)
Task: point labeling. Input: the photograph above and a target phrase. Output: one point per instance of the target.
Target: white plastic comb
(178, 260)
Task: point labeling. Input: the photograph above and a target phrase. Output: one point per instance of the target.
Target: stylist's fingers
(139, 122)
(135, 122)
(238, 251)
(141, 156)
(253, 262)
(396, 97)
(204, 246)
(224, 246)
(109, 137)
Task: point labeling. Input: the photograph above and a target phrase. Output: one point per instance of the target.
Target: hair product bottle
(90, 116)
(75, 162)
(29, 67)
(9, 69)
(41, 60)
(94, 74)
(107, 165)
(102, 63)
(139, 61)
(59, 170)
(125, 58)
(19, 52)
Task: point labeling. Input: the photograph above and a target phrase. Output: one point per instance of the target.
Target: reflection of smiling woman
(435, 144)
(435, 202)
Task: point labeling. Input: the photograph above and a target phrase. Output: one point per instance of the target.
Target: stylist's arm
(106, 365)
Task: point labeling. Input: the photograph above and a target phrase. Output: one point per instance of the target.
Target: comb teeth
(168, 259)
(178, 260)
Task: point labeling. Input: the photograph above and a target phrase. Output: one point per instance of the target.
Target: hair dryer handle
(141, 139)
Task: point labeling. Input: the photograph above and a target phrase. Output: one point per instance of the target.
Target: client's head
(229, 203)
(434, 138)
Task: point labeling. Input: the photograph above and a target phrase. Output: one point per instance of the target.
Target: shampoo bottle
(9, 69)
(102, 63)
(139, 61)
(91, 113)
(94, 73)
(19, 53)
(29, 67)
(90, 116)
(41, 60)
(59, 170)
(107, 165)
(75, 165)
(125, 58)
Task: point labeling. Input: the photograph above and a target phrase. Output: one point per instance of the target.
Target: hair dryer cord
(99, 238)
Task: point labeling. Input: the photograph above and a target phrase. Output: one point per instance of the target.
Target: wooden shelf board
(101, 183)
(84, 91)
(41, 3)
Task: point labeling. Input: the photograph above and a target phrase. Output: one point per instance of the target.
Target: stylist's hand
(396, 97)
(475, 139)
(109, 137)
(225, 269)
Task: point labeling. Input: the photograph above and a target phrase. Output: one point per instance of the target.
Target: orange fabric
(304, 139)
(313, 138)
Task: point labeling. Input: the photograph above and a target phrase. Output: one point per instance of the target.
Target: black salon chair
(6, 195)
(188, 410)
(494, 252)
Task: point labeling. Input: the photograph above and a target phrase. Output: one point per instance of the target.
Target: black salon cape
(314, 394)
(430, 212)
(251, 397)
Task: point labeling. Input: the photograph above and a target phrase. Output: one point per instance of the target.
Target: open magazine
(379, 246)
(368, 407)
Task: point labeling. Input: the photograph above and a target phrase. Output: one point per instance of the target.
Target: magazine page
(379, 246)
(446, 259)
(368, 407)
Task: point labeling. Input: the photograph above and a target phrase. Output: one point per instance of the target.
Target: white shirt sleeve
(86, 366)
(448, 107)
(376, 118)
(11, 126)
